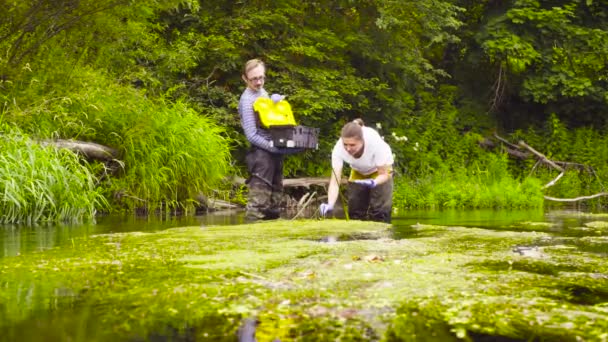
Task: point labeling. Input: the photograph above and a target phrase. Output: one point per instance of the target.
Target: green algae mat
(311, 280)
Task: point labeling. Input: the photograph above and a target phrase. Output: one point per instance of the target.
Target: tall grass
(168, 153)
(43, 184)
(172, 156)
(485, 184)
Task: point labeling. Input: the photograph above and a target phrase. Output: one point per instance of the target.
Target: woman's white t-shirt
(376, 152)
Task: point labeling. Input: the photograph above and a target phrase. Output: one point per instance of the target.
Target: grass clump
(486, 183)
(43, 184)
(167, 153)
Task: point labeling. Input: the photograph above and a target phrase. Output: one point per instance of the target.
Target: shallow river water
(22, 240)
(15, 239)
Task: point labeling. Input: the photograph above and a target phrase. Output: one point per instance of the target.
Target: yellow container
(274, 114)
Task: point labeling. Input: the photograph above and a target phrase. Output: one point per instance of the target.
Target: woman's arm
(384, 174)
(334, 186)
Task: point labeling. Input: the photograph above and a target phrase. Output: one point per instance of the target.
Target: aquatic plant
(199, 283)
(476, 187)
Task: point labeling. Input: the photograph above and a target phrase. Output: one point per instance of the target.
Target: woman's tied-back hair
(353, 130)
(251, 64)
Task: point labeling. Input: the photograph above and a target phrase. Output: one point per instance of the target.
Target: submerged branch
(305, 205)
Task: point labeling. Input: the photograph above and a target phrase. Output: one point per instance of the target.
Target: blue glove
(277, 97)
(325, 208)
(370, 183)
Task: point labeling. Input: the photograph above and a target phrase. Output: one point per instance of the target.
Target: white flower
(378, 125)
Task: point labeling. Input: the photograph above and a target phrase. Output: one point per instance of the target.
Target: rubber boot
(273, 211)
(258, 202)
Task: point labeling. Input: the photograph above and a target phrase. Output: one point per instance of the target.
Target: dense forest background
(447, 82)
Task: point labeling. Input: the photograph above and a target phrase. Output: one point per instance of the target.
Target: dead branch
(512, 150)
(310, 199)
(581, 198)
(499, 89)
(541, 158)
(218, 204)
(505, 141)
(306, 182)
(546, 160)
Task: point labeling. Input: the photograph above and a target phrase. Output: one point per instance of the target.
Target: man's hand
(325, 208)
(277, 97)
(370, 183)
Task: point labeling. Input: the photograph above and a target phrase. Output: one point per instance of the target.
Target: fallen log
(294, 182)
(89, 150)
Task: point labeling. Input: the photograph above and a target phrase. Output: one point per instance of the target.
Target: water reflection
(16, 240)
(487, 218)
(19, 239)
(567, 223)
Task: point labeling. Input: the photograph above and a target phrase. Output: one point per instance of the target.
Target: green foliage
(485, 183)
(173, 154)
(85, 29)
(168, 153)
(582, 153)
(333, 60)
(427, 70)
(43, 184)
(441, 167)
(531, 53)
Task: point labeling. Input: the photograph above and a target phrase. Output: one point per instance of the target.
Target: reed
(169, 153)
(43, 184)
(173, 156)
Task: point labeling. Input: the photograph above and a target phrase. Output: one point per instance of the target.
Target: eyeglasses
(256, 79)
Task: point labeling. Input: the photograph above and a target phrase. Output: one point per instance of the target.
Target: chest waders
(265, 184)
(266, 169)
(374, 204)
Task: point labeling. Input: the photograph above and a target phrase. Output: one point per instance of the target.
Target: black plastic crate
(295, 136)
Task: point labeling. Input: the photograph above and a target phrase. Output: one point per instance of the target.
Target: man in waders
(264, 160)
